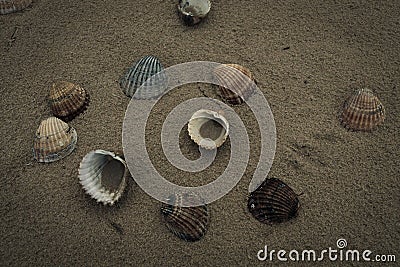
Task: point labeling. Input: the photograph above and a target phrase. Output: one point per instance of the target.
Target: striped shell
(54, 140)
(9, 6)
(193, 11)
(134, 84)
(103, 176)
(237, 83)
(273, 202)
(362, 111)
(208, 128)
(67, 100)
(188, 223)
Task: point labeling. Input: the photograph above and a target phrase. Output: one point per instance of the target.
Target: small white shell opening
(208, 129)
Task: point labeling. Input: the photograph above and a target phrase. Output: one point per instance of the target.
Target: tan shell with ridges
(103, 175)
(54, 140)
(67, 100)
(362, 111)
(9, 6)
(208, 129)
(232, 77)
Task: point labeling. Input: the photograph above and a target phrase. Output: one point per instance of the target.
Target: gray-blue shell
(134, 84)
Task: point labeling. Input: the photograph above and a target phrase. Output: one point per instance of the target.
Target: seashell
(362, 111)
(9, 6)
(188, 223)
(139, 73)
(231, 77)
(193, 11)
(208, 129)
(67, 100)
(103, 176)
(273, 202)
(54, 140)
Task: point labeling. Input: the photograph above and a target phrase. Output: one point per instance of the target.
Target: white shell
(208, 129)
(100, 168)
(193, 11)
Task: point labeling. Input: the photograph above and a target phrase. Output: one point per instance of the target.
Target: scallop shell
(193, 11)
(67, 100)
(273, 202)
(9, 6)
(103, 176)
(139, 73)
(230, 77)
(188, 223)
(208, 129)
(54, 140)
(362, 111)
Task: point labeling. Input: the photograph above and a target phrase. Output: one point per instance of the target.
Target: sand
(307, 56)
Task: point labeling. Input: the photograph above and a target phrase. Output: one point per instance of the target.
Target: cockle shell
(273, 202)
(188, 223)
(362, 111)
(67, 100)
(193, 11)
(103, 176)
(135, 82)
(208, 129)
(54, 140)
(237, 82)
(9, 6)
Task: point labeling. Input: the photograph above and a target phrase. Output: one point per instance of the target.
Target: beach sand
(307, 57)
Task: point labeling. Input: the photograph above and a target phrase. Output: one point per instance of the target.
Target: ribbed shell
(362, 111)
(273, 202)
(231, 77)
(193, 11)
(9, 6)
(188, 223)
(67, 100)
(92, 171)
(138, 74)
(199, 119)
(54, 140)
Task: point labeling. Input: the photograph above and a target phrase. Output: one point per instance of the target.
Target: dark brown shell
(68, 100)
(231, 77)
(362, 111)
(188, 223)
(273, 202)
